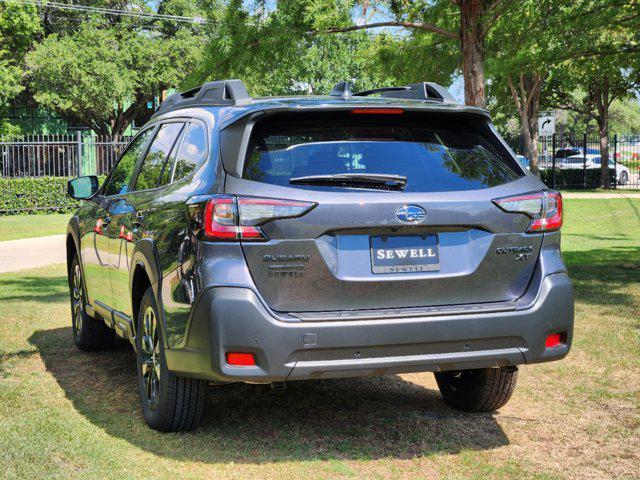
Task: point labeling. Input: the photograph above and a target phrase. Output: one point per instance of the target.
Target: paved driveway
(31, 253)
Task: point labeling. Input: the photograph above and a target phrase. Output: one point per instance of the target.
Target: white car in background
(593, 161)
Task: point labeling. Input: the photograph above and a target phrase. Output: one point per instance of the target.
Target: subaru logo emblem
(411, 214)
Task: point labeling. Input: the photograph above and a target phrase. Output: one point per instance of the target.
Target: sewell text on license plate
(404, 253)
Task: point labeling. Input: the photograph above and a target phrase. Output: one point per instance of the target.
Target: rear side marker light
(553, 340)
(240, 359)
(377, 111)
(231, 218)
(543, 208)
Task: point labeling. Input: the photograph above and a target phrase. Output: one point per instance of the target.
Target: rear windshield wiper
(371, 180)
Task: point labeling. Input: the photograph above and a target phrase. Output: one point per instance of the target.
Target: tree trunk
(124, 118)
(601, 94)
(471, 39)
(526, 96)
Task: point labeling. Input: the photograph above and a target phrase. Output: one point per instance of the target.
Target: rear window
(444, 157)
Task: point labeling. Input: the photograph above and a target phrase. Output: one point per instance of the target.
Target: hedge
(35, 195)
(574, 177)
(49, 194)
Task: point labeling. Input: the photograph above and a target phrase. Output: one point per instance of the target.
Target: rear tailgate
(323, 261)
(362, 247)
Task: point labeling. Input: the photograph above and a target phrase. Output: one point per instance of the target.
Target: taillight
(239, 218)
(544, 209)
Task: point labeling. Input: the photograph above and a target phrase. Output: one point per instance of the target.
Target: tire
(624, 178)
(169, 403)
(480, 390)
(89, 333)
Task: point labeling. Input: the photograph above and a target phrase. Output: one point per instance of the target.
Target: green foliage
(625, 117)
(274, 53)
(35, 195)
(9, 129)
(19, 23)
(105, 70)
(83, 75)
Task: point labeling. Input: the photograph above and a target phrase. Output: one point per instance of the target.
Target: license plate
(404, 253)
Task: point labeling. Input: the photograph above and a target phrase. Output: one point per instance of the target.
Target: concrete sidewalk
(32, 252)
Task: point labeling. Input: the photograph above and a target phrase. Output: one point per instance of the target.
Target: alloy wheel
(150, 352)
(77, 301)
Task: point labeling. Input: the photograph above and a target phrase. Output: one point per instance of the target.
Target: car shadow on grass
(367, 418)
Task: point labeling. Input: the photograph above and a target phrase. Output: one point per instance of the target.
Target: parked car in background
(594, 161)
(574, 151)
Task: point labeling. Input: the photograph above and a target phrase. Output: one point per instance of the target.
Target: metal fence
(59, 155)
(573, 162)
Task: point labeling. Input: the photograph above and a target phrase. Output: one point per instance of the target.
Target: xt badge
(522, 253)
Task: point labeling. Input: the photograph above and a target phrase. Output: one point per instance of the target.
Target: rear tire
(169, 403)
(479, 390)
(88, 333)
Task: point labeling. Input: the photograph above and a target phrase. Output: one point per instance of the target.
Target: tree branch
(410, 25)
(494, 18)
(514, 94)
(594, 53)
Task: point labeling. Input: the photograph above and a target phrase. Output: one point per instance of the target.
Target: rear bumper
(234, 319)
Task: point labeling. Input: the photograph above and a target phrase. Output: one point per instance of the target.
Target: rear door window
(433, 156)
(192, 152)
(153, 170)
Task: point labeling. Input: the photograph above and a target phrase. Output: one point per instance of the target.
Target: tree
(522, 65)
(541, 62)
(272, 53)
(465, 24)
(19, 24)
(105, 71)
(600, 65)
(596, 85)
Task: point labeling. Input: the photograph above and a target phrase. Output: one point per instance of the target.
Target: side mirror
(82, 188)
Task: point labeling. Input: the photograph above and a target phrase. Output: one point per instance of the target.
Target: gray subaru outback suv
(275, 239)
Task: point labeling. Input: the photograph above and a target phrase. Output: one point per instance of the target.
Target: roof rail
(422, 91)
(416, 91)
(219, 92)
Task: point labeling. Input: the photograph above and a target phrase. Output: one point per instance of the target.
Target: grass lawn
(13, 227)
(71, 414)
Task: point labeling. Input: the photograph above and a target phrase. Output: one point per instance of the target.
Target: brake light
(544, 209)
(377, 111)
(239, 218)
